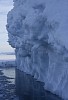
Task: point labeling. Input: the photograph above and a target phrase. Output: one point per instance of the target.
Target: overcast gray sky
(5, 6)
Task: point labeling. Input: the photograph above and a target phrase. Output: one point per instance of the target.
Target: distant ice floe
(7, 60)
(7, 64)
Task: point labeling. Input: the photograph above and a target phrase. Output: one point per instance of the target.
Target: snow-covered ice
(38, 30)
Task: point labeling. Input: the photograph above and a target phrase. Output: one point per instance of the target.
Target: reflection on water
(28, 88)
(10, 73)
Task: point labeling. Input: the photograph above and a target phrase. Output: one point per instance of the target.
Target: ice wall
(36, 29)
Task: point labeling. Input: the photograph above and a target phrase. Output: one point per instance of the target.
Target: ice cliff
(38, 31)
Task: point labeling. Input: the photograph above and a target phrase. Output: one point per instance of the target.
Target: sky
(5, 7)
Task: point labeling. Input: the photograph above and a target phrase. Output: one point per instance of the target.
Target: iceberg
(37, 29)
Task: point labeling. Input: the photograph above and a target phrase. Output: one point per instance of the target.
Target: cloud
(5, 6)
